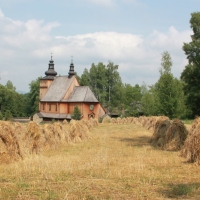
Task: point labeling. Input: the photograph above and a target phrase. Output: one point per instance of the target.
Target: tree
(132, 99)
(105, 82)
(76, 114)
(32, 98)
(148, 101)
(168, 90)
(191, 74)
(114, 87)
(85, 78)
(10, 85)
(12, 104)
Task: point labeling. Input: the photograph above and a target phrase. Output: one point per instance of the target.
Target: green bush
(76, 114)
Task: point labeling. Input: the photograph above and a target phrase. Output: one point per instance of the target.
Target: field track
(116, 163)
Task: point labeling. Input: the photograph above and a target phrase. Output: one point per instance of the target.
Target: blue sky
(131, 33)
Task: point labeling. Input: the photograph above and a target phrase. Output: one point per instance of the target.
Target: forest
(169, 96)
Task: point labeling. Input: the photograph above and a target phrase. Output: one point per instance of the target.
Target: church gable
(58, 89)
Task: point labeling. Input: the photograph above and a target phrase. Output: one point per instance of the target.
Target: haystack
(191, 149)
(94, 122)
(106, 119)
(74, 131)
(113, 120)
(10, 149)
(158, 138)
(65, 129)
(119, 120)
(175, 136)
(88, 123)
(53, 135)
(33, 137)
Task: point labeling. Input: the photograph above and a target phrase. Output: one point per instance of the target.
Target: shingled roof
(82, 94)
(54, 116)
(58, 89)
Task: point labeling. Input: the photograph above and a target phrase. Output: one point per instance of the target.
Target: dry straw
(33, 137)
(169, 135)
(158, 138)
(175, 136)
(106, 119)
(11, 149)
(18, 141)
(191, 150)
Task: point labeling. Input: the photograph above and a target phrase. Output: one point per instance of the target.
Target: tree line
(169, 96)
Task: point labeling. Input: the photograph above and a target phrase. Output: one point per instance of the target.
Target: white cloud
(107, 3)
(25, 49)
(1, 14)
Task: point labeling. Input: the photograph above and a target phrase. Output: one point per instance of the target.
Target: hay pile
(106, 120)
(18, 141)
(191, 150)
(9, 148)
(169, 135)
(78, 131)
(113, 121)
(175, 136)
(32, 137)
(158, 138)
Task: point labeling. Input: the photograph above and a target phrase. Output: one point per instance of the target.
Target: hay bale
(66, 133)
(88, 123)
(106, 119)
(54, 134)
(119, 120)
(93, 122)
(113, 120)
(79, 131)
(32, 137)
(158, 137)
(10, 149)
(175, 136)
(191, 149)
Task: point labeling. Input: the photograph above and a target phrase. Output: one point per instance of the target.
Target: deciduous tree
(191, 74)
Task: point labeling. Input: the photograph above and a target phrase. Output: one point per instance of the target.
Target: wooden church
(60, 94)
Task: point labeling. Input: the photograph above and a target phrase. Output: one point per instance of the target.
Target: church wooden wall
(44, 86)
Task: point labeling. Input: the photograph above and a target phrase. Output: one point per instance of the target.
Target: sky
(132, 34)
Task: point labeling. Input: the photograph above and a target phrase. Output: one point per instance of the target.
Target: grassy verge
(117, 163)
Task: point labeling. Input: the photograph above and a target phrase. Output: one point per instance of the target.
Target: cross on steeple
(51, 55)
(71, 68)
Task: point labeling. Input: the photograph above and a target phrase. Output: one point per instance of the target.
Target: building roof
(50, 73)
(58, 89)
(54, 115)
(82, 94)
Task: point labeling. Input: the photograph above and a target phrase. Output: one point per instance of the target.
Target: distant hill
(21, 92)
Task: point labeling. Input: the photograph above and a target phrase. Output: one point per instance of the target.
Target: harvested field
(116, 163)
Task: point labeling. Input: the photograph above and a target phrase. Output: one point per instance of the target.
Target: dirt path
(117, 163)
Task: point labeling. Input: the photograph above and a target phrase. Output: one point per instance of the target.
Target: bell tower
(71, 69)
(46, 81)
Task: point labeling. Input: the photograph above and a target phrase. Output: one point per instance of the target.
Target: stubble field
(116, 163)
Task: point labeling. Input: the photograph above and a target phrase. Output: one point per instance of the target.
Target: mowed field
(116, 163)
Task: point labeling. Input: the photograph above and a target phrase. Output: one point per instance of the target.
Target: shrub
(76, 114)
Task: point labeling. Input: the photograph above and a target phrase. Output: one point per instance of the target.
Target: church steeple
(51, 72)
(71, 69)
